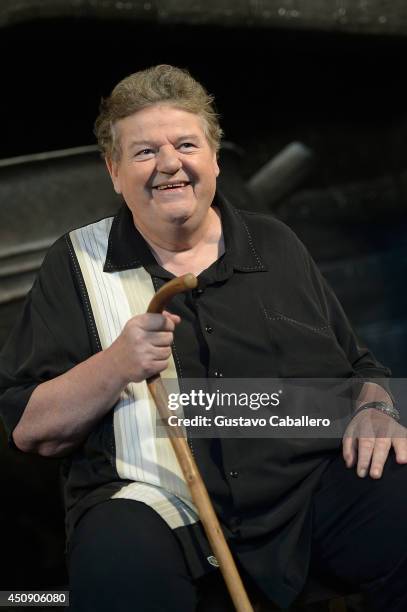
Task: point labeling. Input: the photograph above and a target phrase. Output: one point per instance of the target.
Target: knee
(124, 557)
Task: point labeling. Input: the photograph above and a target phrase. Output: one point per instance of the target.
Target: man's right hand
(62, 411)
(144, 346)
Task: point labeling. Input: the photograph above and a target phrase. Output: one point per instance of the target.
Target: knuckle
(163, 366)
(168, 325)
(166, 352)
(138, 335)
(167, 338)
(383, 442)
(137, 321)
(367, 443)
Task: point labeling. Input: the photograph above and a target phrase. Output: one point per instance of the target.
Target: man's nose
(168, 160)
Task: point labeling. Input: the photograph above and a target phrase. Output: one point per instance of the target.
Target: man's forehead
(153, 122)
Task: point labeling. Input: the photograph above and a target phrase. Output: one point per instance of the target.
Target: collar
(127, 248)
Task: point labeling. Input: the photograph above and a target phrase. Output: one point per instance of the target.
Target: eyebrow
(141, 143)
(188, 137)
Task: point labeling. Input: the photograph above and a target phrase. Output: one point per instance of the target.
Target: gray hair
(158, 84)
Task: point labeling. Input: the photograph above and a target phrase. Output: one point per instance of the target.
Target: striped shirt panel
(141, 456)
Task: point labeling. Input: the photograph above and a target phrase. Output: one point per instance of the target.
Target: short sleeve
(366, 367)
(50, 337)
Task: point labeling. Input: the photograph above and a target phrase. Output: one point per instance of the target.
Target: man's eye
(144, 152)
(187, 145)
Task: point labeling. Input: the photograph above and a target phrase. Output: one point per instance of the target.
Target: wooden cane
(188, 466)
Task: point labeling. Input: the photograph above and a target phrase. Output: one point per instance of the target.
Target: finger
(156, 368)
(365, 451)
(400, 448)
(161, 354)
(156, 322)
(349, 447)
(380, 454)
(160, 338)
(174, 317)
(160, 366)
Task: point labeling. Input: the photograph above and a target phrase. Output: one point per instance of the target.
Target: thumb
(173, 317)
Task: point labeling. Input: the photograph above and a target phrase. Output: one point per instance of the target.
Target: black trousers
(359, 538)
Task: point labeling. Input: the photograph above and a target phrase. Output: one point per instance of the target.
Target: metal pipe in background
(281, 175)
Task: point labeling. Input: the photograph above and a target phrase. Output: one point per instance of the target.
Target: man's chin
(179, 220)
(179, 215)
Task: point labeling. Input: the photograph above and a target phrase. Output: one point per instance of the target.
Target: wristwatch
(384, 407)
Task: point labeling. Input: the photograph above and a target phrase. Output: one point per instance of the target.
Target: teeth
(171, 186)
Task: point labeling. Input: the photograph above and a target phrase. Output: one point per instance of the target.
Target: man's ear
(113, 168)
(216, 165)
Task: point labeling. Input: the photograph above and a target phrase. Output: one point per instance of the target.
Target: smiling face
(167, 170)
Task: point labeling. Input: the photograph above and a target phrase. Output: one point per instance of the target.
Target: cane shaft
(189, 468)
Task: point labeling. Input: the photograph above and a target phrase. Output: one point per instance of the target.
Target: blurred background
(314, 108)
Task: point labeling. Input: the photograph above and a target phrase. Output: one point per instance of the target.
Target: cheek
(135, 182)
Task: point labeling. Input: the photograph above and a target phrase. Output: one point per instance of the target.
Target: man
(74, 369)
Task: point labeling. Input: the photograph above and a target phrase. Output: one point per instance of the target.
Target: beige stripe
(175, 511)
(140, 455)
(137, 288)
(136, 457)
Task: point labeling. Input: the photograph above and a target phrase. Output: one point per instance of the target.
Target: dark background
(342, 95)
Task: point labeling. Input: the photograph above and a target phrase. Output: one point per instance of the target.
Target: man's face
(167, 170)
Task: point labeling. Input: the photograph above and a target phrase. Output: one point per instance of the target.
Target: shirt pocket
(305, 348)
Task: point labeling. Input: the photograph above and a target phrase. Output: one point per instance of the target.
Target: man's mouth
(177, 185)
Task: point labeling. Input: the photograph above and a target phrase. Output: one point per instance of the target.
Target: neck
(180, 252)
(177, 238)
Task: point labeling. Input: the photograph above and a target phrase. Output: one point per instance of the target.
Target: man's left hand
(368, 439)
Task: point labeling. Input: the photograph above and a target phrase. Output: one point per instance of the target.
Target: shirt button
(199, 291)
(218, 374)
(234, 474)
(209, 329)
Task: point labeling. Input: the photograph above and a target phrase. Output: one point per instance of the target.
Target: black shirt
(261, 311)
